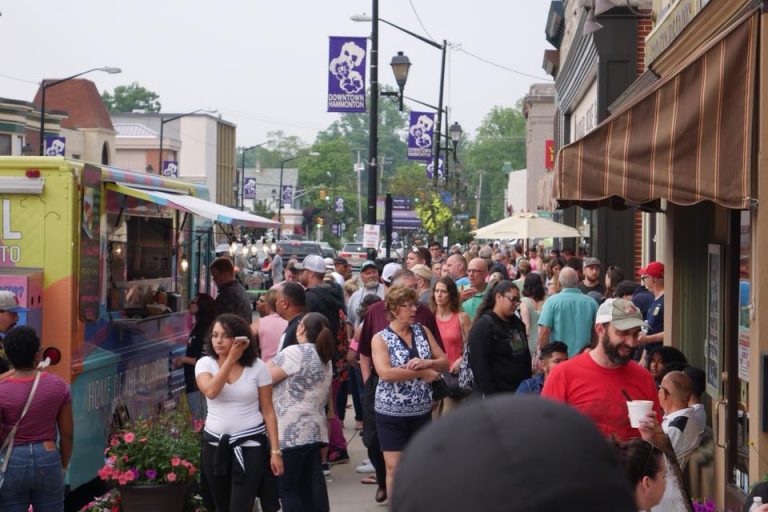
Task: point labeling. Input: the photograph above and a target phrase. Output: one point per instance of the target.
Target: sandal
(370, 479)
(381, 495)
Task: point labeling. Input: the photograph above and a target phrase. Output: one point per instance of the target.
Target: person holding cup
(599, 383)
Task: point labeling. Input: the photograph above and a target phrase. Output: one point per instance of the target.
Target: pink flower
(129, 437)
(122, 480)
(114, 442)
(143, 440)
(171, 477)
(197, 425)
(105, 472)
(175, 461)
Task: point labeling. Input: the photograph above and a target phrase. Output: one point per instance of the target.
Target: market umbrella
(526, 225)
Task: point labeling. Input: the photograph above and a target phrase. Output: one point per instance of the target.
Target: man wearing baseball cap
(597, 382)
(591, 281)
(9, 308)
(653, 279)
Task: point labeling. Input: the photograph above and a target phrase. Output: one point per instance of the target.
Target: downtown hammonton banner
(346, 74)
(421, 130)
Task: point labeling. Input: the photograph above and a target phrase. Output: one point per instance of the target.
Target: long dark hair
(640, 459)
(454, 304)
(489, 301)
(319, 333)
(615, 275)
(235, 326)
(206, 312)
(533, 287)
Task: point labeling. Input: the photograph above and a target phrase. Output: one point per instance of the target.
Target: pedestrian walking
(531, 303)
(568, 316)
(269, 327)
(477, 271)
(202, 308)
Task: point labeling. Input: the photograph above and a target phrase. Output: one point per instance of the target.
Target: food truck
(104, 261)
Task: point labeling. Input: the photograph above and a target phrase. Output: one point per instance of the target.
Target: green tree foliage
(500, 138)
(409, 180)
(269, 156)
(434, 214)
(127, 98)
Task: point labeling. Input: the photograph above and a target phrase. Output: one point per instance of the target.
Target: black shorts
(395, 431)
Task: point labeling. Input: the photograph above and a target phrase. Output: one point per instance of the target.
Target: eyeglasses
(475, 271)
(513, 299)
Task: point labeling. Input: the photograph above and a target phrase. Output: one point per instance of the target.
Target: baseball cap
(655, 269)
(509, 465)
(590, 262)
(368, 264)
(422, 271)
(8, 302)
(389, 270)
(313, 262)
(338, 260)
(621, 313)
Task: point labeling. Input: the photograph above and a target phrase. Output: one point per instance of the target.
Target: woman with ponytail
(301, 375)
(498, 350)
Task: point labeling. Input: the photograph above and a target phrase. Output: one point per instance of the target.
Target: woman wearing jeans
(302, 376)
(35, 473)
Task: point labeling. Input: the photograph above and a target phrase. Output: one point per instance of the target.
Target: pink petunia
(171, 477)
(175, 461)
(129, 437)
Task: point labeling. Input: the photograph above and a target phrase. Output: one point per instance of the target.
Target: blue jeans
(34, 477)
(302, 484)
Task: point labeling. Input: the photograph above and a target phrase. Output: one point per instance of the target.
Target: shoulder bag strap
(8, 443)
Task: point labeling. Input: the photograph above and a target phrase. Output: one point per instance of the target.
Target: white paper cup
(638, 409)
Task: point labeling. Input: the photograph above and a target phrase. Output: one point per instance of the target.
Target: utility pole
(359, 171)
(478, 196)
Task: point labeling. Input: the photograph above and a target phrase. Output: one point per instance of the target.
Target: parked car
(354, 253)
(328, 251)
(395, 249)
(298, 249)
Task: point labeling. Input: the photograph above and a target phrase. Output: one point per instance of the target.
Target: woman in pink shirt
(269, 326)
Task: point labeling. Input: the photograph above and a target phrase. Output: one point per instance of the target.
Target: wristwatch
(277, 452)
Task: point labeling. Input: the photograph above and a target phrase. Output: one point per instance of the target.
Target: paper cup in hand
(637, 410)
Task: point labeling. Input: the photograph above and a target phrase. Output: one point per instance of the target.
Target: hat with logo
(313, 262)
(621, 313)
(389, 270)
(9, 302)
(422, 271)
(368, 264)
(655, 269)
(591, 262)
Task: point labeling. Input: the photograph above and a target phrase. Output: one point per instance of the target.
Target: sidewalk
(345, 491)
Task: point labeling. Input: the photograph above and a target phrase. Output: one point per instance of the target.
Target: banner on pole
(287, 194)
(249, 188)
(346, 74)
(431, 168)
(339, 204)
(170, 168)
(55, 146)
(421, 132)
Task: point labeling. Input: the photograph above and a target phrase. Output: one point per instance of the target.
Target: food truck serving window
(149, 249)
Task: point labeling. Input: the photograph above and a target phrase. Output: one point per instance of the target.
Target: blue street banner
(170, 168)
(346, 74)
(55, 146)
(339, 205)
(249, 188)
(287, 194)
(421, 132)
(440, 168)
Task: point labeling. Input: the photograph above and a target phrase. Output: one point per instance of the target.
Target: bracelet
(277, 452)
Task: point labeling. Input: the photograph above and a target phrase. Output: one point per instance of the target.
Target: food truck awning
(195, 206)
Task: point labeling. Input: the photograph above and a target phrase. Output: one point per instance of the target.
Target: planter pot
(145, 498)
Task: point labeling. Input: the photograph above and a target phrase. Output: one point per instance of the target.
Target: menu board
(90, 261)
(713, 345)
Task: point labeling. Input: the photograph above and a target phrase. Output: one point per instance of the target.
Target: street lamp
(400, 66)
(455, 132)
(280, 191)
(45, 85)
(162, 128)
(242, 172)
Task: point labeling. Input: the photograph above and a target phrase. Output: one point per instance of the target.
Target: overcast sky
(263, 64)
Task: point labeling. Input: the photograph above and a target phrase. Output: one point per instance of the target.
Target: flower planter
(145, 498)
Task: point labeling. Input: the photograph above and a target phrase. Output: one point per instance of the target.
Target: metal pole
(280, 203)
(359, 169)
(477, 198)
(373, 128)
(42, 118)
(436, 162)
(242, 182)
(333, 207)
(160, 155)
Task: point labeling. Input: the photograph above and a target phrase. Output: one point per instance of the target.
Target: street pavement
(345, 491)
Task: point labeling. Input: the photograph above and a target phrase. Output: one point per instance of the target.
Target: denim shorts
(34, 477)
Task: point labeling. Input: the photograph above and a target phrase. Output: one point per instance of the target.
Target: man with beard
(596, 382)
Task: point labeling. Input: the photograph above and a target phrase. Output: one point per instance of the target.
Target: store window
(6, 145)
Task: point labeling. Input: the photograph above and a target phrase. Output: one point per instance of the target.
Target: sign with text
(371, 236)
(421, 132)
(90, 261)
(346, 74)
(549, 154)
(404, 215)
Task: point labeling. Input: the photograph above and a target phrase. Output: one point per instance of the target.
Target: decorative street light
(455, 132)
(242, 172)
(280, 191)
(168, 120)
(400, 66)
(46, 84)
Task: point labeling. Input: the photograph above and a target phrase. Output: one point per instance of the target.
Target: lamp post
(46, 84)
(400, 66)
(242, 172)
(164, 120)
(280, 191)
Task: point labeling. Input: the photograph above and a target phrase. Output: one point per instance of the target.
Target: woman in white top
(240, 425)
(302, 376)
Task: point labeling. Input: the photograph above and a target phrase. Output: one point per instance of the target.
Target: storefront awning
(195, 205)
(687, 139)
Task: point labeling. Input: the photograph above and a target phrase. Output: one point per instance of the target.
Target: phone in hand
(242, 339)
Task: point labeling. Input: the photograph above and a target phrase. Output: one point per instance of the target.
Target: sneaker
(365, 467)
(338, 457)
(326, 469)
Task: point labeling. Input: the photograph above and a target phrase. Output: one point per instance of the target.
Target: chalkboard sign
(90, 231)
(713, 344)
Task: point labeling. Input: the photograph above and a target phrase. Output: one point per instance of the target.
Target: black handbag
(450, 386)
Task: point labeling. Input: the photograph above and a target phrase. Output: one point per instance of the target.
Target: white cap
(389, 270)
(313, 262)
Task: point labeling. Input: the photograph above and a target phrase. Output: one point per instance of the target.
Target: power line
(459, 48)
(419, 20)
(19, 79)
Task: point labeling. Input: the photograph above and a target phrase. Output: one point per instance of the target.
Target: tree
(127, 98)
(434, 214)
(269, 156)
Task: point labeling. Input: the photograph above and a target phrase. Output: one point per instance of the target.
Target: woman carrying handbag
(35, 413)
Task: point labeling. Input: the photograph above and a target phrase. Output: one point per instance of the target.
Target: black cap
(368, 264)
(338, 260)
(511, 453)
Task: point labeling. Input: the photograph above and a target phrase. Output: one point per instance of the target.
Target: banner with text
(346, 74)
(421, 130)
(440, 168)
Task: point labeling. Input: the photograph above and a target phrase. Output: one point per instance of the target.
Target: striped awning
(687, 139)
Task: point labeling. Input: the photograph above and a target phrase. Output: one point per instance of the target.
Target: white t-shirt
(300, 398)
(236, 407)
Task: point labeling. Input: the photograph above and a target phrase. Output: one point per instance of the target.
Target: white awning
(195, 206)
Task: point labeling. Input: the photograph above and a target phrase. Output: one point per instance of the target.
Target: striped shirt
(39, 424)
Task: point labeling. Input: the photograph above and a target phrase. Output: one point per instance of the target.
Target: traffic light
(323, 194)
(473, 222)
(319, 221)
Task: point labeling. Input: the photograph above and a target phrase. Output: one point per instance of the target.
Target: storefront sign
(90, 264)
(584, 116)
(346, 74)
(671, 25)
(421, 135)
(549, 154)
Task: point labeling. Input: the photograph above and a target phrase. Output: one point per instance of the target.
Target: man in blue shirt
(568, 316)
(552, 354)
(653, 278)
